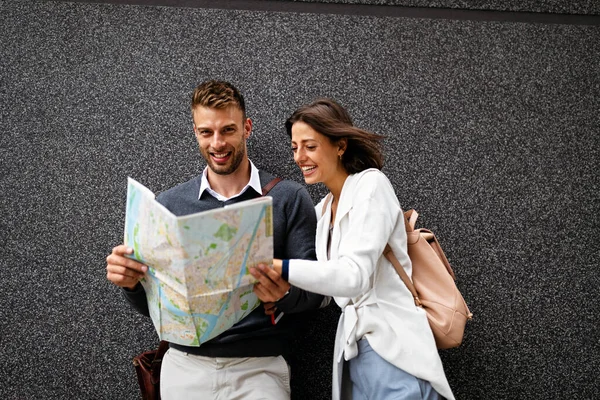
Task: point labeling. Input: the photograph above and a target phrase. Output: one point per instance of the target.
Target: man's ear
(247, 128)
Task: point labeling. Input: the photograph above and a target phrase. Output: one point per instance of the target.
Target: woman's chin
(309, 180)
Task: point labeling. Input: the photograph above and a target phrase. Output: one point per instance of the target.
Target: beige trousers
(186, 376)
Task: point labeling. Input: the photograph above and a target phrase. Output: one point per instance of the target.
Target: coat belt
(349, 322)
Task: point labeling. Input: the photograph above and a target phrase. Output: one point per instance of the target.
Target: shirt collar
(253, 183)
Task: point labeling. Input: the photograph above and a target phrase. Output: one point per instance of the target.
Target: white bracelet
(286, 293)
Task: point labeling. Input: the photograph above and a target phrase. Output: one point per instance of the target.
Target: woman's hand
(277, 265)
(271, 287)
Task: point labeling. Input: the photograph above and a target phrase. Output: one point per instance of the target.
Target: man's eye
(311, 147)
(294, 149)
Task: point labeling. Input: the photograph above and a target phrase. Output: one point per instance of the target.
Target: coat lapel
(345, 201)
(323, 233)
(344, 206)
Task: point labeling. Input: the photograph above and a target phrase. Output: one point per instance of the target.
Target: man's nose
(217, 140)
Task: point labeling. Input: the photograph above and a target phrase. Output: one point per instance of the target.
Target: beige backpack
(432, 286)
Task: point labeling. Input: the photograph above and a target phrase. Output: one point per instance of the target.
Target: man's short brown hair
(218, 94)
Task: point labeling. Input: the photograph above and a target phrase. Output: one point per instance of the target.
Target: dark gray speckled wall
(492, 136)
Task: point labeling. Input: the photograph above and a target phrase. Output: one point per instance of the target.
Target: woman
(384, 347)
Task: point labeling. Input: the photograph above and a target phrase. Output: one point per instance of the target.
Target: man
(247, 360)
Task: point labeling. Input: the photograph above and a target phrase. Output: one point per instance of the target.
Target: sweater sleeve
(371, 220)
(300, 244)
(137, 299)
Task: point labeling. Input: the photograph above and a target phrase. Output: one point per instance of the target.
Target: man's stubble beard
(238, 156)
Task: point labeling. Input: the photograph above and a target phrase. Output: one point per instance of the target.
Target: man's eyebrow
(199, 127)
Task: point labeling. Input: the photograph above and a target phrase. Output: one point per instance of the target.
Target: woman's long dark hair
(332, 120)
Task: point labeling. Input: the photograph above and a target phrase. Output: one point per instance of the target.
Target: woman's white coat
(375, 303)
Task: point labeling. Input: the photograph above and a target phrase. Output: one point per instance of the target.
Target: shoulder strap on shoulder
(389, 254)
(410, 218)
(267, 188)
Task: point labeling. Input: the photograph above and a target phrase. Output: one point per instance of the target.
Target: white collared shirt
(254, 183)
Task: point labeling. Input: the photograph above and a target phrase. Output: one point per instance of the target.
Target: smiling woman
(318, 156)
(383, 340)
(330, 119)
(328, 147)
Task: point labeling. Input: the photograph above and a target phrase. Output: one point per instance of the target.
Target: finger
(115, 259)
(256, 273)
(264, 294)
(122, 280)
(261, 277)
(124, 271)
(122, 250)
(272, 274)
(270, 308)
(276, 284)
(270, 290)
(270, 311)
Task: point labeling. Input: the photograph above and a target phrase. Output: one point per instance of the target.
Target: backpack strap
(389, 254)
(410, 219)
(267, 188)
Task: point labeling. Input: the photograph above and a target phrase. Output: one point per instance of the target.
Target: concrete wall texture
(492, 135)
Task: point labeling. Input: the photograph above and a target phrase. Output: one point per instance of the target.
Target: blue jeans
(374, 378)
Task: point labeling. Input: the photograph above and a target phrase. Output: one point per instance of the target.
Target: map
(198, 283)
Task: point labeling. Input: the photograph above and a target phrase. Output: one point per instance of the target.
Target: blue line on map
(210, 318)
(242, 270)
(224, 259)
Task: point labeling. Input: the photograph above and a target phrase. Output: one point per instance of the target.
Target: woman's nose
(299, 155)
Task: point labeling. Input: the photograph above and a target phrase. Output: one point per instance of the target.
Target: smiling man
(248, 360)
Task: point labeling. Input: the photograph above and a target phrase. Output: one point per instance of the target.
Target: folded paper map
(198, 283)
